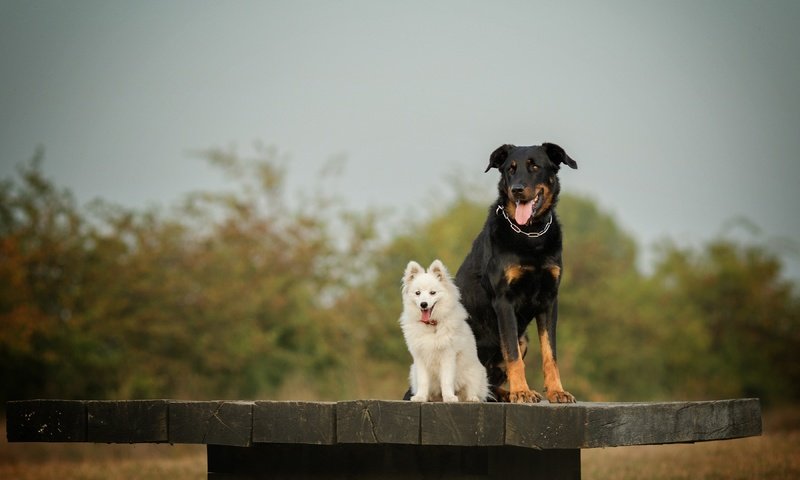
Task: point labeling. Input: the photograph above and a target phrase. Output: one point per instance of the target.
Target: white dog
(434, 324)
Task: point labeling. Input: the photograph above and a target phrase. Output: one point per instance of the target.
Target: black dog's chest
(529, 286)
(526, 271)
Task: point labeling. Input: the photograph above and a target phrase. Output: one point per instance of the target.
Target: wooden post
(382, 461)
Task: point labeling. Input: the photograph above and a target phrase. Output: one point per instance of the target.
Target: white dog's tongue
(523, 212)
(426, 316)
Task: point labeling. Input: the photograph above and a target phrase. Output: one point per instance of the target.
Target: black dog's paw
(560, 397)
(524, 396)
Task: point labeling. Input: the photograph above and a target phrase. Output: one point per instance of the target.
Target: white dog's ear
(412, 270)
(437, 268)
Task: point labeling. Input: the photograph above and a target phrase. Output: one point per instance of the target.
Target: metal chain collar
(516, 228)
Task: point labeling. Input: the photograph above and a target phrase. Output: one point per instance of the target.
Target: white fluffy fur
(446, 365)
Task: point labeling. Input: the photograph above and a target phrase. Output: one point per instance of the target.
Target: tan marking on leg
(516, 375)
(552, 380)
(519, 392)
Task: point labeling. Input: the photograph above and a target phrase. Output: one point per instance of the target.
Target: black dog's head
(529, 178)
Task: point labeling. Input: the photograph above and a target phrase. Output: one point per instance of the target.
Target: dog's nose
(517, 188)
(423, 305)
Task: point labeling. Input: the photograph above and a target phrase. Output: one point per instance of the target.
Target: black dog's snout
(423, 305)
(517, 188)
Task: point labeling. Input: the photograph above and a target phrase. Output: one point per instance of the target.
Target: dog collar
(516, 228)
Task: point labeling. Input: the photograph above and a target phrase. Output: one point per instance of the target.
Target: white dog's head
(432, 292)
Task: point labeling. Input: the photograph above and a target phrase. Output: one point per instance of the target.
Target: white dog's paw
(473, 399)
(419, 398)
(449, 398)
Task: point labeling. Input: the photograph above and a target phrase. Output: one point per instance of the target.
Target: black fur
(509, 278)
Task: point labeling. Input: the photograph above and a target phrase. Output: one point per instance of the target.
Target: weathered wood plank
(476, 424)
(294, 422)
(212, 423)
(376, 421)
(540, 426)
(545, 426)
(672, 422)
(128, 421)
(46, 421)
(591, 425)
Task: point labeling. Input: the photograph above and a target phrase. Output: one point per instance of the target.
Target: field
(62, 461)
(775, 455)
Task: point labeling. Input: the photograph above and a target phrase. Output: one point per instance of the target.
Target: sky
(682, 115)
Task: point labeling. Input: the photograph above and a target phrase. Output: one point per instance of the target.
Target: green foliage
(750, 315)
(43, 265)
(240, 294)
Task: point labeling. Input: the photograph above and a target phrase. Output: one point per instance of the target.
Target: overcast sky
(680, 114)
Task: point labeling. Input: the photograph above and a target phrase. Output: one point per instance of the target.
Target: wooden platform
(376, 438)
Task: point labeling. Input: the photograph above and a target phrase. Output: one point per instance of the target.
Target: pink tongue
(426, 316)
(523, 212)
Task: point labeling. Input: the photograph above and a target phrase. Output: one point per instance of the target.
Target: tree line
(240, 294)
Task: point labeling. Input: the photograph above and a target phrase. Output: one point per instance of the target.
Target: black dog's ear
(558, 155)
(499, 156)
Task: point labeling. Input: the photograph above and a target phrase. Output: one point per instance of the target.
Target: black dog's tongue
(523, 212)
(526, 210)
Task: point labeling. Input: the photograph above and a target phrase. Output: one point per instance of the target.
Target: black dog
(512, 274)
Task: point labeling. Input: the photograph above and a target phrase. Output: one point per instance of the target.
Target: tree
(749, 312)
(43, 263)
(241, 294)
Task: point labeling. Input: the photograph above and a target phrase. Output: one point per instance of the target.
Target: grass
(773, 456)
(65, 461)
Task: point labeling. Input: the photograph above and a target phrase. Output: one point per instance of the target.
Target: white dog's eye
(417, 293)
(433, 293)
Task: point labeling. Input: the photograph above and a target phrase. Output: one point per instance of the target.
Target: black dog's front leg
(519, 392)
(546, 326)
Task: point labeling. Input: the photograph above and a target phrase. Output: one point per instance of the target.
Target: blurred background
(211, 200)
(218, 199)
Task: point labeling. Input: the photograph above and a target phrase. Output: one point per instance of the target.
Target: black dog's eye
(535, 168)
(512, 169)
(552, 180)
